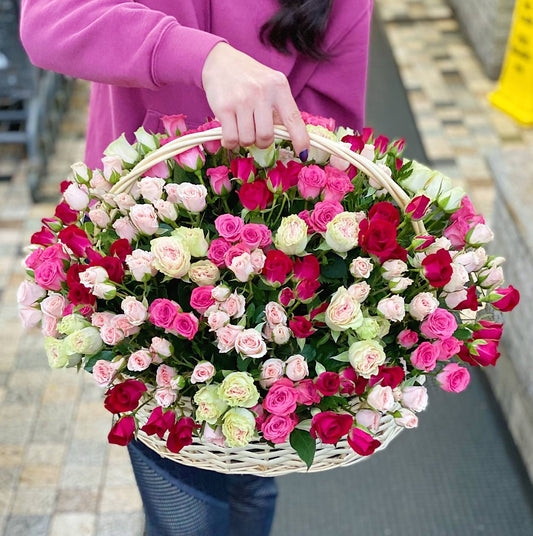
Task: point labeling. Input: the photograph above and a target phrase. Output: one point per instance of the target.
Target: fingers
(264, 127)
(246, 126)
(292, 119)
(230, 133)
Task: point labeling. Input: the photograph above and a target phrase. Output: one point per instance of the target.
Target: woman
(249, 64)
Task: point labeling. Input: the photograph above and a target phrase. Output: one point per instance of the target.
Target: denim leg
(252, 504)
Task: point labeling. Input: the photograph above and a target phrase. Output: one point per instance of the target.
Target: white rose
(171, 256)
(343, 312)
(381, 398)
(415, 398)
(204, 273)
(366, 357)
(392, 308)
(250, 343)
(291, 236)
(361, 267)
(296, 368)
(342, 232)
(422, 305)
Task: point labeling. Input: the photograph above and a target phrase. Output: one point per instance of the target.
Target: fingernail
(304, 155)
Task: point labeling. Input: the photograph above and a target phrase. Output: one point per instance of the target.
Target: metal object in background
(32, 101)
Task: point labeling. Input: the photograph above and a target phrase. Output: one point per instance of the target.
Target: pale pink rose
(381, 398)
(76, 197)
(99, 184)
(165, 396)
(29, 316)
(214, 436)
(280, 334)
(159, 170)
(99, 217)
(109, 199)
(166, 210)
(144, 218)
(458, 280)
(415, 398)
(359, 291)
(271, 371)
(28, 293)
(235, 305)
(407, 419)
(296, 368)
(480, 234)
(121, 322)
(453, 378)
(257, 258)
(275, 314)
(219, 179)
(250, 343)
(397, 392)
(93, 275)
(202, 372)
(124, 202)
(164, 375)
(226, 337)
(422, 305)
(472, 260)
(493, 277)
(407, 338)
(192, 196)
(172, 193)
(151, 188)
(361, 267)
(229, 227)
(125, 229)
(54, 305)
(221, 293)
(49, 326)
(242, 267)
(104, 371)
(217, 320)
(339, 162)
(393, 268)
(100, 319)
(399, 284)
(160, 346)
(267, 332)
(104, 291)
(111, 163)
(111, 335)
(392, 308)
(139, 360)
(140, 264)
(368, 418)
(369, 151)
(455, 298)
(135, 311)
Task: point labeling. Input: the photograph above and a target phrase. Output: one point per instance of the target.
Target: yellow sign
(514, 94)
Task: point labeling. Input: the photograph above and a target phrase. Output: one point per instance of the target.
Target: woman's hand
(247, 97)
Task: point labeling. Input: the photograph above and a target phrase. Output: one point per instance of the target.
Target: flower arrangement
(251, 296)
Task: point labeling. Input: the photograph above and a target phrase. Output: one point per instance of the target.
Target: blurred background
(468, 468)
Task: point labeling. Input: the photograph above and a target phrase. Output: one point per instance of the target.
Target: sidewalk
(459, 474)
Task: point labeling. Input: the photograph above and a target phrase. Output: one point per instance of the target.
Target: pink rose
(28, 293)
(217, 320)
(140, 264)
(422, 305)
(242, 267)
(217, 251)
(277, 428)
(202, 372)
(111, 335)
(214, 436)
(125, 229)
(229, 227)
(50, 275)
(440, 324)
(161, 346)
(162, 312)
(407, 338)
(201, 298)
(185, 324)
(338, 184)
(252, 234)
(381, 398)
(453, 378)
(158, 170)
(392, 308)
(219, 179)
(307, 393)
(456, 232)
(192, 196)
(448, 348)
(192, 159)
(76, 197)
(415, 398)
(319, 121)
(250, 344)
(144, 218)
(361, 267)
(425, 356)
(54, 305)
(323, 213)
(275, 314)
(135, 311)
(226, 337)
(165, 396)
(139, 360)
(29, 316)
(164, 375)
(407, 418)
(296, 368)
(104, 371)
(311, 180)
(368, 418)
(174, 124)
(271, 371)
(234, 305)
(281, 398)
(151, 188)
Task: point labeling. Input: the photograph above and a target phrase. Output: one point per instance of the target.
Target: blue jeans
(180, 500)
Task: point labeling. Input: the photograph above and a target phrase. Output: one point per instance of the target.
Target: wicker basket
(259, 458)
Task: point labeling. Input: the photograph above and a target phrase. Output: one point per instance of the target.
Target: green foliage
(302, 442)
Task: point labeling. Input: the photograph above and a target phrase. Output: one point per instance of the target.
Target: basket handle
(184, 143)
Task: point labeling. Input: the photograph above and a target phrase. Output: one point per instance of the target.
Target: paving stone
(67, 524)
(26, 525)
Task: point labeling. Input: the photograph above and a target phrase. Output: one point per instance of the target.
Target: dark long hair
(301, 23)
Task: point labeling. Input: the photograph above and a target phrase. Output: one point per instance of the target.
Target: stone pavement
(58, 475)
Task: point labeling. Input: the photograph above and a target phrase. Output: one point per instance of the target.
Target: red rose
(471, 300)
(124, 396)
(307, 289)
(328, 383)
(63, 185)
(320, 309)
(357, 143)
(306, 393)
(489, 331)
(301, 327)
(243, 168)
(120, 248)
(352, 383)
(384, 211)
(122, 432)
(79, 294)
(417, 207)
(73, 273)
(159, 422)
(378, 237)
(113, 267)
(286, 297)
(76, 239)
(306, 267)
(277, 266)
(284, 176)
(362, 442)
(480, 353)
(388, 376)
(180, 435)
(381, 143)
(66, 214)
(44, 237)
(255, 195)
(330, 426)
(509, 298)
(438, 268)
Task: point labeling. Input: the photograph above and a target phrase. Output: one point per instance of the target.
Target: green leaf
(344, 357)
(463, 334)
(309, 352)
(319, 368)
(304, 445)
(243, 363)
(335, 268)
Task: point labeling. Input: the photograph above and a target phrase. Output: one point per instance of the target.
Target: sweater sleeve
(116, 42)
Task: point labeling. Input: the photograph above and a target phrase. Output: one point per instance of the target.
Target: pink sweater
(146, 58)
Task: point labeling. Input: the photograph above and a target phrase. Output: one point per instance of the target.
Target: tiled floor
(58, 476)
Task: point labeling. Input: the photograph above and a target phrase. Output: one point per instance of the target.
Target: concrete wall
(486, 23)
